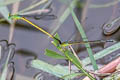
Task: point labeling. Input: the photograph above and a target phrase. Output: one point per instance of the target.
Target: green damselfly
(64, 44)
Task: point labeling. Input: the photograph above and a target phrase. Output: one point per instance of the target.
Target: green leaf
(57, 70)
(75, 61)
(102, 53)
(57, 37)
(56, 43)
(67, 53)
(72, 58)
(72, 75)
(84, 37)
(54, 54)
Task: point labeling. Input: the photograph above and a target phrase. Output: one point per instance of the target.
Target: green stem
(73, 59)
(78, 66)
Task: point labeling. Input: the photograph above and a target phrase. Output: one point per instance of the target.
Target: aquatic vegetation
(64, 48)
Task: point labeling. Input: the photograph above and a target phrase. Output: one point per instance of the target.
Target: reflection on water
(7, 52)
(5, 49)
(11, 71)
(27, 53)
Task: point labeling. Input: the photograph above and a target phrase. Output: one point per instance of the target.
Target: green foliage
(79, 26)
(66, 54)
(72, 75)
(102, 53)
(54, 54)
(69, 55)
(33, 6)
(57, 70)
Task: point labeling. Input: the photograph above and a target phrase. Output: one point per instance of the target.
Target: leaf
(33, 6)
(112, 3)
(67, 53)
(56, 43)
(57, 37)
(72, 75)
(64, 16)
(57, 70)
(102, 53)
(83, 35)
(72, 58)
(54, 54)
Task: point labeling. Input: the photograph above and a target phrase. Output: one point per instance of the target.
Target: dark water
(31, 43)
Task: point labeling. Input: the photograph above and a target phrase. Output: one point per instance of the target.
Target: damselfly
(64, 44)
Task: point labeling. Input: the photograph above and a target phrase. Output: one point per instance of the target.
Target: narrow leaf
(83, 35)
(56, 43)
(102, 53)
(64, 16)
(73, 59)
(54, 54)
(72, 75)
(33, 6)
(57, 70)
(111, 3)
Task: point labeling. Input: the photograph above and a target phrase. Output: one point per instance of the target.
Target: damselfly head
(9, 15)
(15, 16)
